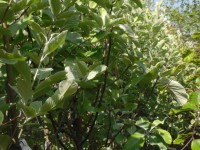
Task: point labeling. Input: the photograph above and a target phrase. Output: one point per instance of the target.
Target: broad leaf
(138, 2)
(10, 58)
(181, 138)
(37, 32)
(24, 90)
(24, 70)
(177, 89)
(55, 6)
(143, 123)
(54, 43)
(96, 71)
(45, 85)
(165, 135)
(157, 140)
(156, 123)
(66, 89)
(179, 92)
(195, 144)
(42, 72)
(5, 141)
(135, 142)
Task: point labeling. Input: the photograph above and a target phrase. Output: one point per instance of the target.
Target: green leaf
(3, 2)
(67, 14)
(29, 111)
(177, 89)
(24, 70)
(195, 144)
(55, 6)
(165, 135)
(135, 142)
(5, 31)
(157, 140)
(181, 138)
(143, 123)
(24, 90)
(3, 105)
(54, 43)
(96, 71)
(5, 141)
(138, 2)
(10, 58)
(82, 67)
(66, 89)
(45, 85)
(74, 37)
(179, 92)
(36, 105)
(104, 17)
(127, 29)
(42, 72)
(156, 123)
(1, 117)
(37, 32)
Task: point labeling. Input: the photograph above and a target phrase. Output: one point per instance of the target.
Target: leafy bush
(93, 75)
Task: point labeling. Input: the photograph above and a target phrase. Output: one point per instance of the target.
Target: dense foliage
(93, 74)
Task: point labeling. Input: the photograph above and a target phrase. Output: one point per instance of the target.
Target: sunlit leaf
(195, 144)
(165, 135)
(54, 43)
(10, 58)
(135, 142)
(96, 71)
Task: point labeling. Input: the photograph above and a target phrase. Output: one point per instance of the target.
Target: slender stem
(56, 133)
(36, 73)
(6, 11)
(103, 88)
(109, 127)
(22, 14)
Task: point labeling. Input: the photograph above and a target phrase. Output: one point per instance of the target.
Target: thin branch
(6, 11)
(22, 14)
(55, 131)
(109, 127)
(153, 87)
(14, 119)
(113, 138)
(125, 70)
(193, 132)
(102, 90)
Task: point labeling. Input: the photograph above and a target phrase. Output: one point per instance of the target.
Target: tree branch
(56, 132)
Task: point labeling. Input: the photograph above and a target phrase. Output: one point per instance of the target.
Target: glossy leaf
(165, 135)
(156, 123)
(96, 71)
